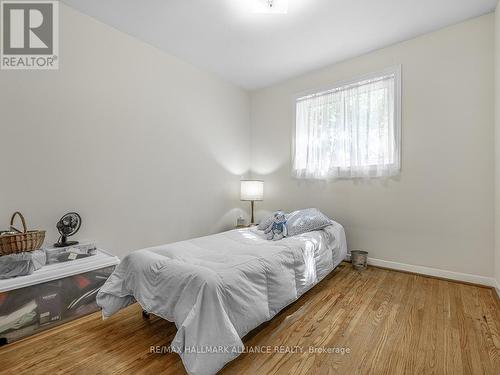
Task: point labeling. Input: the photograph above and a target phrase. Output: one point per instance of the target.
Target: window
(351, 130)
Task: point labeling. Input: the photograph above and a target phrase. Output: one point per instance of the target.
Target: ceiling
(256, 50)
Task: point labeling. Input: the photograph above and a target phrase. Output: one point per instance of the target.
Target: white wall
(497, 147)
(439, 212)
(148, 149)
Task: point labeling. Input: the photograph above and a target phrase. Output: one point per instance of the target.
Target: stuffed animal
(277, 229)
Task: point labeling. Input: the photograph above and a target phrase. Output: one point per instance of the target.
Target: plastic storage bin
(70, 253)
(55, 294)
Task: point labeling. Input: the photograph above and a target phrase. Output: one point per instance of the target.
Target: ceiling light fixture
(270, 6)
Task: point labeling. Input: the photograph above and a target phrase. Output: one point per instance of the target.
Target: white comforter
(218, 288)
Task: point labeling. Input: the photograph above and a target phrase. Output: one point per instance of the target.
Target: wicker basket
(21, 241)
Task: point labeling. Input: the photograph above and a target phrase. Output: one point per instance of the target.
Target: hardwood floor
(391, 322)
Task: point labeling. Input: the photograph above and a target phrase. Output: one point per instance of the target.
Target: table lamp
(252, 190)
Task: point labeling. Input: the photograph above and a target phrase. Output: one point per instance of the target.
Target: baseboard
(435, 272)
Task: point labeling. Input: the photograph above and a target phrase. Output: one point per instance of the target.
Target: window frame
(396, 70)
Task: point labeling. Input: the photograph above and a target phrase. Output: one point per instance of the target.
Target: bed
(218, 288)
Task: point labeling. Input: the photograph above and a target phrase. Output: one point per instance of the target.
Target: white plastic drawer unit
(54, 294)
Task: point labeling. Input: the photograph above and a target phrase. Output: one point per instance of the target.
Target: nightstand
(245, 226)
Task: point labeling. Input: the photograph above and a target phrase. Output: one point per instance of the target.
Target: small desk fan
(67, 226)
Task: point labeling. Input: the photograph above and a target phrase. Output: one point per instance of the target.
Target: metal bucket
(359, 259)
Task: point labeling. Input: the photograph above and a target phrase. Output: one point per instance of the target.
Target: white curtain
(348, 132)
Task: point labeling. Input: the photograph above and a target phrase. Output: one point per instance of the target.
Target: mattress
(218, 288)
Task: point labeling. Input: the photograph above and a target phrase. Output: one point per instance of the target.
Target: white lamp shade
(252, 190)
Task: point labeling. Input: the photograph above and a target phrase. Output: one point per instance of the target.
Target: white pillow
(307, 220)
